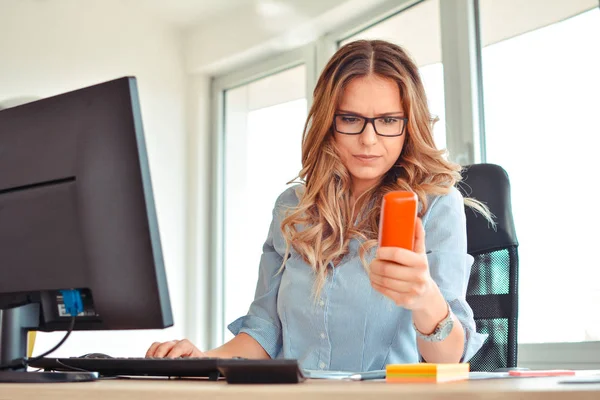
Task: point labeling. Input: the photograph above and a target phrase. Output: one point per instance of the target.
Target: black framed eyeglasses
(351, 124)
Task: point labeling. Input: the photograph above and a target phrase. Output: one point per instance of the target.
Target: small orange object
(398, 218)
(426, 373)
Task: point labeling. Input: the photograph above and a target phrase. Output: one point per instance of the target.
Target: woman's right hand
(174, 349)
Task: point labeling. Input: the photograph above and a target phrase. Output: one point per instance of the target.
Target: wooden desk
(522, 389)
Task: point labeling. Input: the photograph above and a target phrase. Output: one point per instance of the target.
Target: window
(264, 121)
(417, 30)
(542, 95)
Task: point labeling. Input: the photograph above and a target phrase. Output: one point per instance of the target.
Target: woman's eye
(390, 120)
(350, 120)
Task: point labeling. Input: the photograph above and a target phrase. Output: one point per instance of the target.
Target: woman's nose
(368, 137)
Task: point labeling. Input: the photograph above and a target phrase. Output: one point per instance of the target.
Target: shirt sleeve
(449, 262)
(262, 321)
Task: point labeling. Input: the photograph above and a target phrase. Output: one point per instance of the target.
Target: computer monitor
(77, 212)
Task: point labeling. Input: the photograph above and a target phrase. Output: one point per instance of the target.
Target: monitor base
(46, 377)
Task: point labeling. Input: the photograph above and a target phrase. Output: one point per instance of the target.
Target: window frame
(219, 85)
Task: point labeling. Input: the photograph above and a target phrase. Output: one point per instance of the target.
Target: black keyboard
(177, 367)
(234, 370)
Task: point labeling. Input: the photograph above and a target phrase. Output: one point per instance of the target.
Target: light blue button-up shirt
(351, 326)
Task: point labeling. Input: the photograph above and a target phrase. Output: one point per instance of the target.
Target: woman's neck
(355, 195)
(359, 188)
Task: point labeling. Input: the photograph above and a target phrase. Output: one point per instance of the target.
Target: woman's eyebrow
(400, 113)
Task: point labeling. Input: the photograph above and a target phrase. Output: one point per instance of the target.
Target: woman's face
(369, 156)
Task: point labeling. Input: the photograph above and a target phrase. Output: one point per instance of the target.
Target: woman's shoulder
(453, 200)
(452, 197)
(287, 200)
(290, 197)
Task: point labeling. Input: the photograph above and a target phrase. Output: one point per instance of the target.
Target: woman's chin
(366, 179)
(367, 172)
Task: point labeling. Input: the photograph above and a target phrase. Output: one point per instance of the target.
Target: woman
(338, 302)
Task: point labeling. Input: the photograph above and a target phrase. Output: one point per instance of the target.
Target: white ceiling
(184, 13)
(191, 13)
(218, 35)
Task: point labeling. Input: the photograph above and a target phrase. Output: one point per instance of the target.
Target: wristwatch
(441, 331)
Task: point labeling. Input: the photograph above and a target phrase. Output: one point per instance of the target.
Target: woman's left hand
(403, 275)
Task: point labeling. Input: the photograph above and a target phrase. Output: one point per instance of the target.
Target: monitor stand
(14, 326)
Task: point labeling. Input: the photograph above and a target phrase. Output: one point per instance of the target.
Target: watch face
(446, 328)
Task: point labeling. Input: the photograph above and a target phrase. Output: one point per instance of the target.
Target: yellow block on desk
(425, 372)
(30, 343)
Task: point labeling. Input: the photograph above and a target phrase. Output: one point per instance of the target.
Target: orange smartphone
(398, 219)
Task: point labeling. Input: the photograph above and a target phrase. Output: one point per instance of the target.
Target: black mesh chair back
(493, 286)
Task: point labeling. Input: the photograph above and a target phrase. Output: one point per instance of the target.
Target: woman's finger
(393, 270)
(164, 348)
(419, 237)
(401, 300)
(184, 348)
(152, 349)
(395, 285)
(401, 256)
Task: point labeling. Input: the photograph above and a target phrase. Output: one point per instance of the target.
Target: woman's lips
(366, 158)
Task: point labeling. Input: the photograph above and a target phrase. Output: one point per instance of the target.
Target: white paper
(488, 375)
(319, 374)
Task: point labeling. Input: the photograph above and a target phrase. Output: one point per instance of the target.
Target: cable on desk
(74, 306)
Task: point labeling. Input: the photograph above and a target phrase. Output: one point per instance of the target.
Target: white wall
(49, 47)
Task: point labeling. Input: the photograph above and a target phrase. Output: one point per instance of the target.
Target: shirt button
(322, 365)
(321, 303)
(322, 335)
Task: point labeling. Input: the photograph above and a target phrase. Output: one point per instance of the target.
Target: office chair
(492, 292)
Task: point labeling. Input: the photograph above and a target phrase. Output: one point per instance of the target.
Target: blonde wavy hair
(321, 226)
